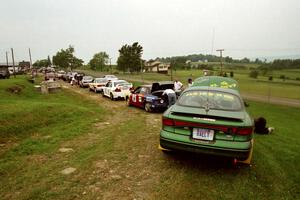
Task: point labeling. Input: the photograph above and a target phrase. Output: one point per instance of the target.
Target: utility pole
(6, 58)
(142, 71)
(171, 66)
(30, 58)
(13, 60)
(221, 51)
(110, 65)
(212, 42)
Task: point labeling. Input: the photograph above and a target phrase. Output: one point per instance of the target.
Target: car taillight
(225, 129)
(117, 90)
(245, 131)
(98, 85)
(167, 122)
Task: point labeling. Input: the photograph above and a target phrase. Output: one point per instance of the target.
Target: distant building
(157, 66)
(24, 65)
(206, 72)
(19, 66)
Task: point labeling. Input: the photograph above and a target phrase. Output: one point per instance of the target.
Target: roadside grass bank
(33, 127)
(115, 153)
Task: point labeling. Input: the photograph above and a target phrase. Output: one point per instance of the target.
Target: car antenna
(207, 98)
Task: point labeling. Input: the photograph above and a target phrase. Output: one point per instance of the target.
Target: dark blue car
(150, 97)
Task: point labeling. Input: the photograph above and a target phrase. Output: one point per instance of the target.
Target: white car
(110, 77)
(117, 89)
(97, 85)
(86, 80)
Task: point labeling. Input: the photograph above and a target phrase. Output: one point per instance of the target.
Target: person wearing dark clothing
(260, 126)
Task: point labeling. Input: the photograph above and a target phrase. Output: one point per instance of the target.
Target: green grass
(34, 126)
(30, 164)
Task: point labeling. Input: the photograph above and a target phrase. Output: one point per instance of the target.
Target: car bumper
(159, 107)
(85, 84)
(239, 150)
(99, 89)
(121, 94)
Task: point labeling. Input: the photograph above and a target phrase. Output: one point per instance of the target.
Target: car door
(141, 97)
(107, 89)
(134, 96)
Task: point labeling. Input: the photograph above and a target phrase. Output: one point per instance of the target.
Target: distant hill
(272, 58)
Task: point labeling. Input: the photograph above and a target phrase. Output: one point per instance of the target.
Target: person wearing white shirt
(177, 85)
(169, 95)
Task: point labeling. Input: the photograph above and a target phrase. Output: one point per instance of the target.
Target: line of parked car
(209, 117)
(148, 97)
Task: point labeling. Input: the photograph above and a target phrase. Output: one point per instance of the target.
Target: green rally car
(209, 117)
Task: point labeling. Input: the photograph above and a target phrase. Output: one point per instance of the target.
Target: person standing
(178, 87)
(190, 82)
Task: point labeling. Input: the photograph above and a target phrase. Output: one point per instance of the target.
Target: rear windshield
(211, 99)
(100, 80)
(87, 77)
(120, 82)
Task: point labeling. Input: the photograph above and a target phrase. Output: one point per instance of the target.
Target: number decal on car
(134, 98)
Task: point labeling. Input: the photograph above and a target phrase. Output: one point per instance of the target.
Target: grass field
(116, 157)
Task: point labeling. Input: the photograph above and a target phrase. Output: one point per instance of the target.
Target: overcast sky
(252, 28)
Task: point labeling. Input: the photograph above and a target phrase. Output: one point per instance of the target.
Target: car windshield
(211, 100)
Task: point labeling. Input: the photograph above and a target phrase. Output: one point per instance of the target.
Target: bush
(253, 74)
(297, 79)
(231, 74)
(270, 78)
(282, 77)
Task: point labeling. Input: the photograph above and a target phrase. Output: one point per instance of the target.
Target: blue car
(150, 97)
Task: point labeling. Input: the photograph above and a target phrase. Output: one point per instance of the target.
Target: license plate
(203, 134)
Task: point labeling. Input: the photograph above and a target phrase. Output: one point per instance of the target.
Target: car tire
(148, 107)
(103, 94)
(95, 90)
(112, 97)
(128, 102)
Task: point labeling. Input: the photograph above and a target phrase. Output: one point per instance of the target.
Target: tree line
(208, 58)
(280, 64)
(130, 59)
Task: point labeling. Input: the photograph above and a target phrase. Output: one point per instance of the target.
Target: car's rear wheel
(128, 102)
(112, 97)
(148, 107)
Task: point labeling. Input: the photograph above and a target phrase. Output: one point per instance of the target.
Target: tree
(130, 57)
(41, 63)
(253, 74)
(66, 59)
(99, 61)
(245, 60)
